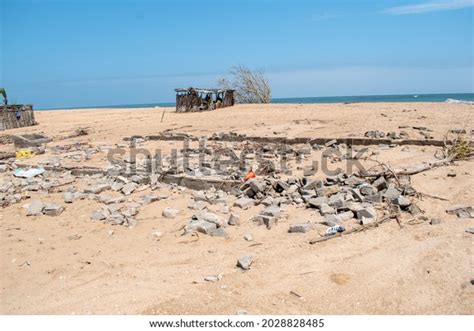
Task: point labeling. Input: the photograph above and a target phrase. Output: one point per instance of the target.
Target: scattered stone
(345, 216)
(98, 215)
(317, 202)
(157, 235)
(391, 193)
(414, 209)
(256, 185)
(470, 230)
(245, 262)
(248, 237)
(300, 228)
(169, 212)
(52, 209)
(244, 203)
(273, 211)
(451, 173)
(219, 232)
(149, 198)
(211, 279)
(367, 189)
(327, 190)
(96, 189)
(374, 198)
(35, 207)
(212, 218)
(234, 219)
(267, 201)
(367, 212)
(331, 220)
(198, 205)
(380, 183)
(110, 233)
(128, 188)
(367, 220)
(461, 211)
(435, 221)
(68, 197)
(336, 200)
(200, 226)
(402, 201)
(326, 209)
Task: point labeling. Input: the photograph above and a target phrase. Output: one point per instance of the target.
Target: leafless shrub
(459, 148)
(250, 86)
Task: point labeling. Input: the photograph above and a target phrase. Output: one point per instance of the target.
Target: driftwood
(354, 230)
(408, 171)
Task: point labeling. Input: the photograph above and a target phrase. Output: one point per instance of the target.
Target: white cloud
(429, 7)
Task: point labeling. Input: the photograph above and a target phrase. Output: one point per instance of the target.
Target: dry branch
(250, 86)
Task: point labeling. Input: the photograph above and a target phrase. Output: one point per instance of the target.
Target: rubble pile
(337, 198)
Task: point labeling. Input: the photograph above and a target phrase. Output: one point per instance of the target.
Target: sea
(466, 98)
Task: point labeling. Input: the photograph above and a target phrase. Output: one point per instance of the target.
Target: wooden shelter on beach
(16, 116)
(197, 99)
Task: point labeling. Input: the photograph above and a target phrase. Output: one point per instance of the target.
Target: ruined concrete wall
(16, 116)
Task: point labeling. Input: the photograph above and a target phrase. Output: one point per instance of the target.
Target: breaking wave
(459, 101)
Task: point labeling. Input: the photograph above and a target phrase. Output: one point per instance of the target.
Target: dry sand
(416, 269)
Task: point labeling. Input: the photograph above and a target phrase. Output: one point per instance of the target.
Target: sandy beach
(69, 264)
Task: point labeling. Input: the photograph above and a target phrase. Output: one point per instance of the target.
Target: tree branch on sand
(456, 149)
(250, 86)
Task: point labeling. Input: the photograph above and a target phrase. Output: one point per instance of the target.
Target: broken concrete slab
(198, 205)
(380, 183)
(272, 210)
(402, 201)
(68, 197)
(35, 207)
(325, 209)
(234, 219)
(391, 193)
(328, 190)
(212, 218)
(367, 212)
(53, 209)
(200, 226)
(96, 189)
(300, 228)
(317, 202)
(128, 188)
(244, 203)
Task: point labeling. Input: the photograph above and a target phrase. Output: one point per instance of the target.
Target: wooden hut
(197, 99)
(16, 116)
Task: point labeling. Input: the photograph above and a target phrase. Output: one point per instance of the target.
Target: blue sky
(84, 53)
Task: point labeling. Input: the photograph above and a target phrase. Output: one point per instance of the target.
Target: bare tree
(250, 86)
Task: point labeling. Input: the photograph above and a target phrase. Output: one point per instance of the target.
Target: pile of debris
(337, 198)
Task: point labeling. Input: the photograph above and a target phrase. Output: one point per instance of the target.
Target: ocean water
(446, 97)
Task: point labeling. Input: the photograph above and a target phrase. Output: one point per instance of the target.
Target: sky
(81, 53)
